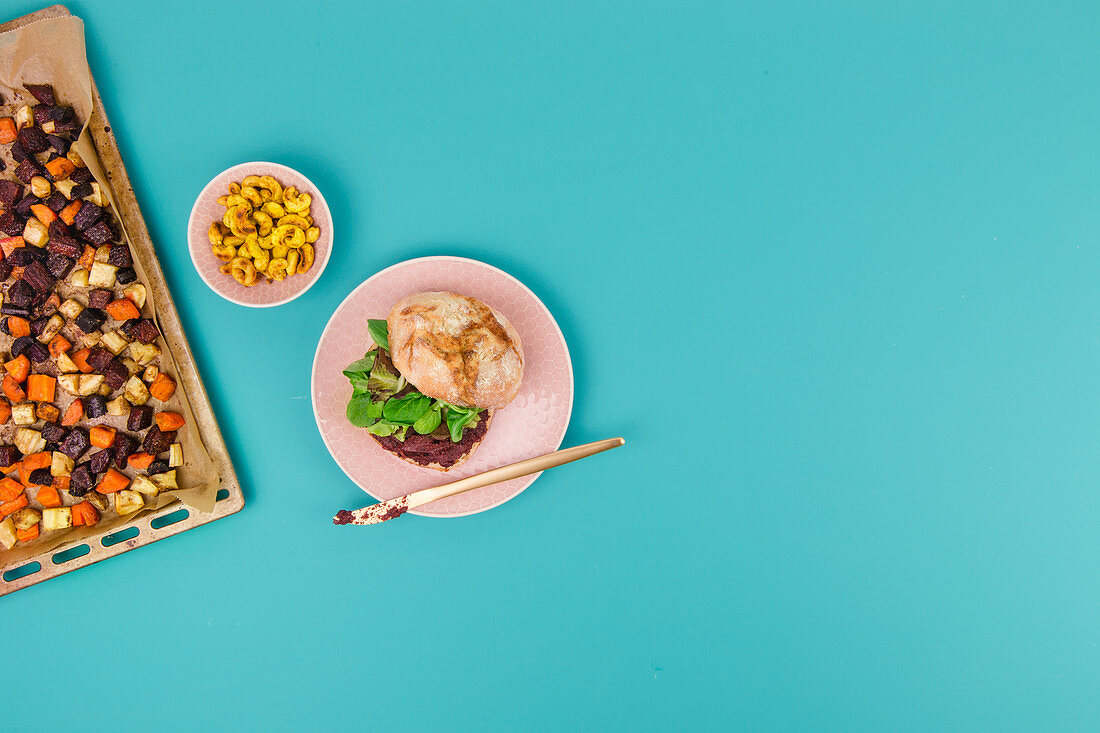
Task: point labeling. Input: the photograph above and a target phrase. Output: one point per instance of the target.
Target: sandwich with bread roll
(441, 363)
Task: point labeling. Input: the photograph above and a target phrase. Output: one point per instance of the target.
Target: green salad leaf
(361, 368)
(384, 382)
(375, 406)
(408, 409)
(460, 418)
(384, 428)
(363, 410)
(379, 331)
(430, 420)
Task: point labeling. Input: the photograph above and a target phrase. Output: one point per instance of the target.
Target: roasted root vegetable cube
(116, 374)
(70, 383)
(166, 480)
(7, 533)
(90, 319)
(143, 353)
(29, 441)
(144, 485)
(65, 187)
(65, 364)
(103, 254)
(141, 417)
(75, 443)
(90, 384)
(150, 374)
(114, 342)
(24, 116)
(60, 517)
(26, 517)
(78, 278)
(61, 464)
(118, 406)
(132, 367)
(40, 187)
(37, 234)
(47, 411)
(97, 197)
(175, 455)
(51, 329)
(23, 414)
(70, 308)
(135, 293)
(96, 499)
(102, 275)
(136, 391)
(128, 501)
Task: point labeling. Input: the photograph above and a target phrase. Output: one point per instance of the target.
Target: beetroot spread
(425, 449)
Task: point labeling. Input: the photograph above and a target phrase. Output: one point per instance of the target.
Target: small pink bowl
(206, 210)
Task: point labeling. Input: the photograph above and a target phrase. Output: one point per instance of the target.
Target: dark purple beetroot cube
(125, 275)
(116, 373)
(18, 153)
(5, 270)
(23, 256)
(33, 139)
(59, 265)
(9, 455)
(99, 461)
(9, 309)
(100, 298)
(59, 144)
(90, 319)
(65, 246)
(38, 277)
(19, 294)
(11, 223)
(141, 417)
(125, 444)
(75, 443)
(146, 331)
(37, 353)
(80, 190)
(98, 233)
(42, 92)
(20, 345)
(26, 170)
(157, 441)
(95, 405)
(98, 358)
(89, 214)
(56, 202)
(41, 477)
(54, 433)
(38, 325)
(10, 192)
(58, 228)
(41, 114)
(81, 480)
(120, 255)
(81, 175)
(157, 467)
(25, 204)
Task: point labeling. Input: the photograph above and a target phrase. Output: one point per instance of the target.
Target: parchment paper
(53, 52)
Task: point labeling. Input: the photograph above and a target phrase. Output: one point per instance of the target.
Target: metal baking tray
(173, 518)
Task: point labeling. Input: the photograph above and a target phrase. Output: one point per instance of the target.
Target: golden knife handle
(512, 470)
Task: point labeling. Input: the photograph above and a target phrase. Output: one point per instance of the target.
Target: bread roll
(456, 349)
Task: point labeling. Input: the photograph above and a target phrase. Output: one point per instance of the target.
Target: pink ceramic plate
(533, 424)
(206, 210)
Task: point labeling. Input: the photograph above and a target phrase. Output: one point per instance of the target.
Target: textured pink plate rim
(206, 209)
(535, 422)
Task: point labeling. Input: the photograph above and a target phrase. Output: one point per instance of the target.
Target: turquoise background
(830, 268)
